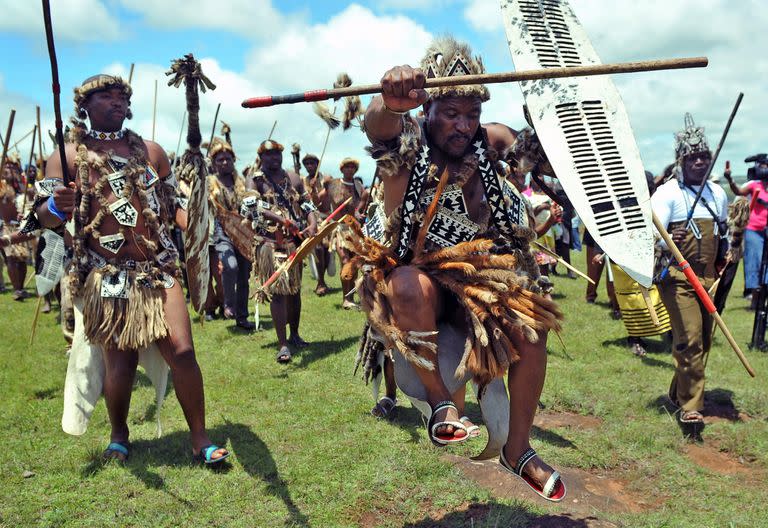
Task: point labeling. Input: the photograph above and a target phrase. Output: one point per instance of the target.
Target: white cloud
(250, 18)
(414, 5)
(301, 58)
(730, 34)
(72, 20)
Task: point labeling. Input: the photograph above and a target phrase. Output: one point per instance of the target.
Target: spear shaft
(485, 78)
(56, 90)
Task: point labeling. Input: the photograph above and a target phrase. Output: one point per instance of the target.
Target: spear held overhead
(485, 78)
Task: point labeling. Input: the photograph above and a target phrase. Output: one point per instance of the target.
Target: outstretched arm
(745, 190)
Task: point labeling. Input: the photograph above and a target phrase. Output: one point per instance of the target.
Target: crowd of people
(472, 244)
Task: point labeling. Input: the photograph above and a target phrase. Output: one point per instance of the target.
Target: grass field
(307, 453)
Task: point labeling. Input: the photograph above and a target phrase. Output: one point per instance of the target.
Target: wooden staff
(26, 177)
(56, 87)
(274, 125)
(154, 111)
(39, 140)
(554, 255)
(177, 159)
(130, 73)
(6, 142)
(713, 289)
(213, 130)
(486, 78)
(704, 298)
(649, 304)
(34, 321)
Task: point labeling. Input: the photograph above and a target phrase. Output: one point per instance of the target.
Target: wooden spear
(6, 142)
(130, 73)
(305, 246)
(560, 260)
(213, 129)
(486, 78)
(701, 293)
(39, 140)
(26, 177)
(177, 159)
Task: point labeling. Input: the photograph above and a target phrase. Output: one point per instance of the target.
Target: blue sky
(253, 47)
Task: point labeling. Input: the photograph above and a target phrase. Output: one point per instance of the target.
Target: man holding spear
(699, 238)
(124, 270)
(316, 185)
(458, 255)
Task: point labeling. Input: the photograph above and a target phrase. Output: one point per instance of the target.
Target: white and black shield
(585, 131)
(49, 264)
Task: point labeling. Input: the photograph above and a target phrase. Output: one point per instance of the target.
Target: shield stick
(56, 88)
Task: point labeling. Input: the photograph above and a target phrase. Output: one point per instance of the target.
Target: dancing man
(457, 252)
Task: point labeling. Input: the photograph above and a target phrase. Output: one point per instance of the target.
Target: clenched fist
(402, 88)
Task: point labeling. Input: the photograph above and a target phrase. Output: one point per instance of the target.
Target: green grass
(306, 452)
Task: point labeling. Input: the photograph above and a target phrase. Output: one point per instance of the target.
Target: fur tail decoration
(226, 131)
(326, 115)
(502, 304)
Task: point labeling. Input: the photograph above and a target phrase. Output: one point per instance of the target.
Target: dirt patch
(586, 491)
(567, 520)
(566, 420)
(710, 457)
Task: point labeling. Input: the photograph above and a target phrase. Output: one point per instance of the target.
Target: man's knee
(121, 363)
(182, 356)
(409, 287)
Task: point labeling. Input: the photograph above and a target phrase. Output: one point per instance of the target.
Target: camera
(757, 172)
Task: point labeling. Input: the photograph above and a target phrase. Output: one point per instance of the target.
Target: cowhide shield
(239, 230)
(585, 131)
(494, 401)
